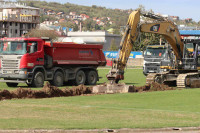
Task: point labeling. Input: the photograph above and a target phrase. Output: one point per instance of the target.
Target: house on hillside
(50, 12)
(95, 18)
(60, 14)
(72, 13)
(175, 18)
(62, 21)
(108, 18)
(47, 22)
(188, 20)
(100, 23)
(111, 22)
(84, 16)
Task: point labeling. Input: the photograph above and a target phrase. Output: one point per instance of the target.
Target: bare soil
(150, 87)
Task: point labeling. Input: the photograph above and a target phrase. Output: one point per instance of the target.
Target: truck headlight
(22, 72)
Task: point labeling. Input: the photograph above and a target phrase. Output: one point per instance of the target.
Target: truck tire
(58, 79)
(117, 81)
(92, 77)
(11, 84)
(38, 80)
(80, 77)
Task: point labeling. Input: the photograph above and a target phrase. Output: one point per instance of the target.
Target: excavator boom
(126, 46)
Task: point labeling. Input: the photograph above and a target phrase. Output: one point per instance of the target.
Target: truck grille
(152, 64)
(10, 64)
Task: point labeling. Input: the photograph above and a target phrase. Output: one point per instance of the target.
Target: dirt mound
(151, 87)
(47, 91)
(53, 91)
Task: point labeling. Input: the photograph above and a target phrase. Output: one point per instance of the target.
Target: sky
(182, 8)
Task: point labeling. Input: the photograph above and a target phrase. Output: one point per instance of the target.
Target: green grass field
(177, 108)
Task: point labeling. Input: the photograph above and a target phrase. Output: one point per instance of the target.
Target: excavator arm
(169, 31)
(160, 26)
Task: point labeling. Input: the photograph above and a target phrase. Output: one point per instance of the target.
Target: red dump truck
(35, 60)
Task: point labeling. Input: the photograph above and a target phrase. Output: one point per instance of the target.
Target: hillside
(117, 17)
(94, 18)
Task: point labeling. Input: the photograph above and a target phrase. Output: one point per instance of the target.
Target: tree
(42, 33)
(142, 8)
(144, 40)
(113, 46)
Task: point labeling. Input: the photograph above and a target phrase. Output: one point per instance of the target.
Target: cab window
(33, 44)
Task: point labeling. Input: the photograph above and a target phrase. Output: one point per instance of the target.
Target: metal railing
(19, 18)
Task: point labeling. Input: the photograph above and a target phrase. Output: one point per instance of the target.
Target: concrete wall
(13, 30)
(29, 11)
(132, 62)
(135, 62)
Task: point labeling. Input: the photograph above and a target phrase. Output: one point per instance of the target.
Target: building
(188, 20)
(84, 16)
(17, 19)
(175, 18)
(190, 34)
(98, 37)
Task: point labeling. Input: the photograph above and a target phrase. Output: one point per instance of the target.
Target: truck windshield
(155, 52)
(13, 47)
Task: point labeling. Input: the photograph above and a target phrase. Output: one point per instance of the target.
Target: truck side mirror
(32, 48)
(143, 53)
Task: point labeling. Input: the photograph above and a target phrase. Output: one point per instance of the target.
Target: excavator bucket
(110, 88)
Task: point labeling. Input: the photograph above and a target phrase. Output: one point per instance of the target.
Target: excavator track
(150, 78)
(181, 79)
(180, 82)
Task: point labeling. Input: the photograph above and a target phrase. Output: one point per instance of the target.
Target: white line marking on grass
(103, 107)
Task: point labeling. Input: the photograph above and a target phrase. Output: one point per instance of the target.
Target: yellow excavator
(184, 72)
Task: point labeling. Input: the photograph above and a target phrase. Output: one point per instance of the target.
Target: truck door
(35, 51)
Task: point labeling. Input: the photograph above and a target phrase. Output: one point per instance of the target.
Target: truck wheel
(80, 77)
(92, 77)
(11, 84)
(58, 79)
(117, 81)
(38, 80)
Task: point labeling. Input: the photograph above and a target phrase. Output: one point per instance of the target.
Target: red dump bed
(75, 54)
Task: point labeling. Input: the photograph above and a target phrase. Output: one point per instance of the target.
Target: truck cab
(18, 57)
(153, 55)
